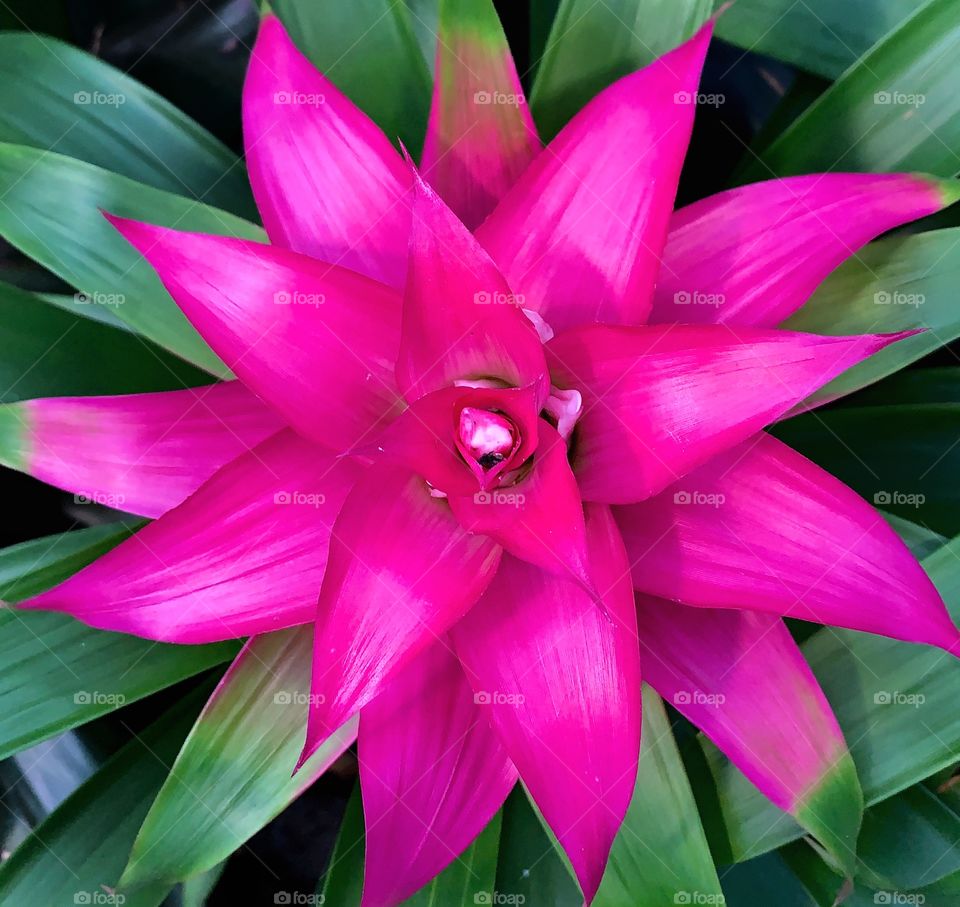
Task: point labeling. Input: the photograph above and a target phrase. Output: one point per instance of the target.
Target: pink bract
(497, 533)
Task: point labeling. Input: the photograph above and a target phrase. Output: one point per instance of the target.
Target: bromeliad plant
(497, 433)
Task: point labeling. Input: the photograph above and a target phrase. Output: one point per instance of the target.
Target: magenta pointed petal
(315, 341)
(660, 401)
(480, 136)
(401, 571)
(327, 181)
(742, 680)
(433, 773)
(538, 519)
(763, 528)
(243, 555)
(755, 254)
(581, 232)
(460, 320)
(141, 453)
(560, 677)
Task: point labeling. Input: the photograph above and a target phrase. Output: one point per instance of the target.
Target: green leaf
(901, 458)
(919, 540)
(530, 866)
(342, 883)
(33, 567)
(369, 50)
(631, 34)
(80, 848)
(61, 99)
(661, 853)
(829, 889)
(425, 17)
(197, 890)
(767, 879)
(233, 774)
(51, 212)
(821, 36)
(46, 351)
(896, 704)
(470, 877)
(909, 841)
(913, 386)
(896, 109)
(59, 673)
(896, 284)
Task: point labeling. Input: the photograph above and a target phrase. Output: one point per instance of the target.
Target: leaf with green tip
(233, 774)
(630, 32)
(79, 850)
(833, 811)
(369, 50)
(474, 152)
(47, 351)
(897, 108)
(61, 99)
(661, 852)
(58, 673)
(896, 704)
(821, 36)
(895, 284)
(52, 212)
(465, 881)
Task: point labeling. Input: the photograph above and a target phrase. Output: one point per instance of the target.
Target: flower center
(486, 437)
